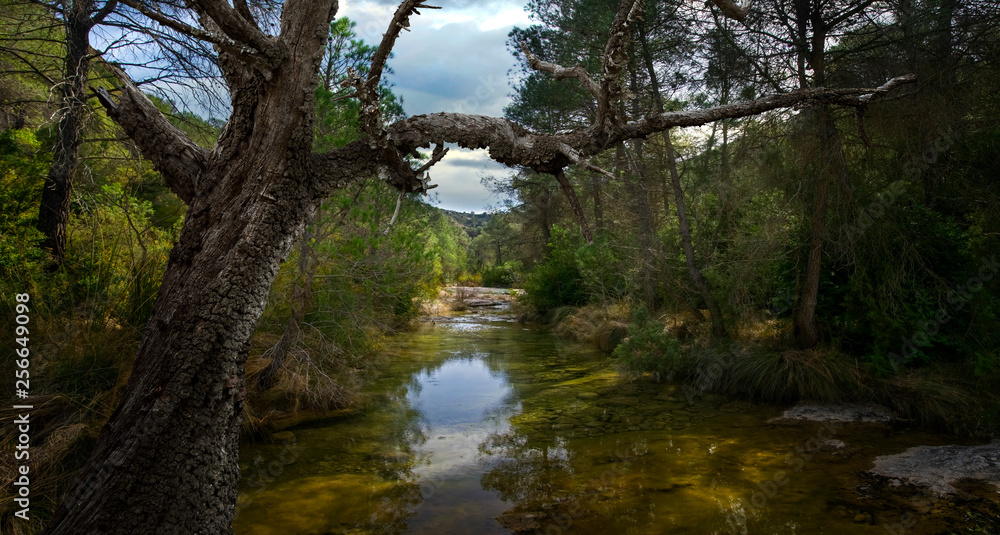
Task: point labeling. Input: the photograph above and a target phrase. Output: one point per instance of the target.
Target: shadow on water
(480, 425)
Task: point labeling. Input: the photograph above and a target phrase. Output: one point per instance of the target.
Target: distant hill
(471, 222)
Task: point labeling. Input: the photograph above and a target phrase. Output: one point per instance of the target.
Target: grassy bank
(759, 363)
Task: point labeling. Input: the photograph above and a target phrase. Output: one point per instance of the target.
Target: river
(479, 425)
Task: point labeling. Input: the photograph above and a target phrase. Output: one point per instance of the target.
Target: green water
(478, 418)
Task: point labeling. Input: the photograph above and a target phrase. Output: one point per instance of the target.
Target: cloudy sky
(453, 59)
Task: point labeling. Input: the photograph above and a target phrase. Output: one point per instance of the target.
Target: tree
(79, 18)
(167, 460)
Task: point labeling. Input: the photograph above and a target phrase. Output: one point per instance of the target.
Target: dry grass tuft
(936, 397)
(790, 375)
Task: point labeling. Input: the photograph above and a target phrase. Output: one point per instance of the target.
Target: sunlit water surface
(481, 425)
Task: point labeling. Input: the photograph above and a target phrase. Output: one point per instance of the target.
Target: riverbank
(759, 364)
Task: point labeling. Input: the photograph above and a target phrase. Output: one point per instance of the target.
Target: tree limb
(398, 170)
(223, 42)
(614, 61)
(802, 97)
(240, 29)
(562, 73)
(400, 21)
(101, 14)
(511, 144)
(179, 160)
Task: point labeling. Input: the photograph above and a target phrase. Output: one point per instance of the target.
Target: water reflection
(478, 420)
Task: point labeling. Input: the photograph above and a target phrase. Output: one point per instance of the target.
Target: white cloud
(453, 60)
(458, 178)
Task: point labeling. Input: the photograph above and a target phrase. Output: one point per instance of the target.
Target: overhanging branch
(562, 73)
(511, 144)
(178, 159)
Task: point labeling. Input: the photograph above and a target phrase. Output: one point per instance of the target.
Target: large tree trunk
(53, 214)
(167, 461)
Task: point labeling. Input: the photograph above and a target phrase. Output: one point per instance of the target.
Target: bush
(649, 349)
(557, 281)
(506, 275)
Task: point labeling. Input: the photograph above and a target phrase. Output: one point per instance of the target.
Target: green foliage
(556, 281)
(23, 164)
(608, 271)
(506, 275)
(649, 349)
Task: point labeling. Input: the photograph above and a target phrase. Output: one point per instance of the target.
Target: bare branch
(400, 21)
(399, 202)
(398, 171)
(174, 155)
(240, 29)
(562, 73)
(103, 13)
(221, 41)
(802, 97)
(439, 152)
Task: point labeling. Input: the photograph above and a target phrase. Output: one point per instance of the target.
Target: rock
(520, 522)
(479, 303)
(836, 413)
(864, 518)
(938, 467)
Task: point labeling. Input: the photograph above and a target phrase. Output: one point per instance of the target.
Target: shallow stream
(480, 426)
